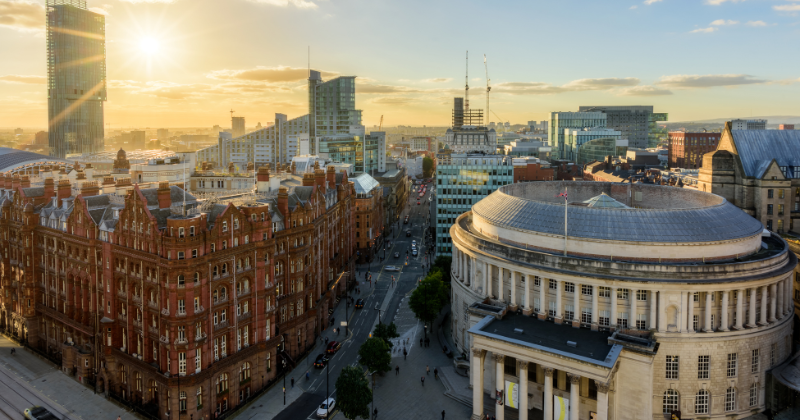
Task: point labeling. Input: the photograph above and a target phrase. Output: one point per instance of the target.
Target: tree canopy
(376, 355)
(429, 297)
(443, 262)
(353, 393)
(386, 332)
(427, 166)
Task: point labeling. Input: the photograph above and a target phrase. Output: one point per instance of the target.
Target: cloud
(100, 10)
(703, 30)
(377, 88)
(787, 8)
(24, 79)
(438, 80)
(300, 4)
(644, 91)
(756, 23)
(707, 81)
(149, 1)
(722, 22)
(633, 7)
(649, 2)
(280, 74)
(600, 84)
(719, 2)
(394, 101)
(580, 85)
(22, 15)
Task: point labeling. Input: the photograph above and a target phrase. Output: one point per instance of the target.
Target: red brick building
(686, 150)
(532, 169)
(780, 127)
(183, 308)
(369, 220)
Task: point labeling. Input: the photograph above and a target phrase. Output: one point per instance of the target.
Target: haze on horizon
(186, 63)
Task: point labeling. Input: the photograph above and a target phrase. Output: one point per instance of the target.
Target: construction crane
(488, 89)
(232, 111)
(466, 87)
(380, 126)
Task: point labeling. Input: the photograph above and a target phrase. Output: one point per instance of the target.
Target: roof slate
(757, 148)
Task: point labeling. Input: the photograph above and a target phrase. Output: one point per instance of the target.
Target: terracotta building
(369, 220)
(686, 150)
(532, 169)
(183, 308)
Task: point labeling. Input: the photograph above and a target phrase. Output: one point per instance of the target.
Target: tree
(429, 297)
(427, 166)
(375, 355)
(353, 393)
(443, 262)
(386, 332)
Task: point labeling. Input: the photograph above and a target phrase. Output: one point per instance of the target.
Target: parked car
(405, 221)
(321, 361)
(326, 407)
(414, 242)
(408, 232)
(360, 304)
(333, 347)
(417, 202)
(414, 252)
(39, 413)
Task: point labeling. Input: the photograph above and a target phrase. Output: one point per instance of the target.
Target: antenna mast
(466, 87)
(488, 88)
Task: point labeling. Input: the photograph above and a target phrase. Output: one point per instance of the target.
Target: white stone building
(658, 300)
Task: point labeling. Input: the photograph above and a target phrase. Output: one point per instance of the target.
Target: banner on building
(512, 394)
(560, 408)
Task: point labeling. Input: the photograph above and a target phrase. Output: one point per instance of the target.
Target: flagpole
(565, 221)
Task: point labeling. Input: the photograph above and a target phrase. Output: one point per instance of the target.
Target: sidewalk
(32, 373)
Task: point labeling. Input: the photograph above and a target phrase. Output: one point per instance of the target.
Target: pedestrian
(119, 417)
(397, 370)
(338, 330)
(375, 413)
(421, 342)
(442, 414)
(405, 353)
(436, 373)
(427, 370)
(423, 381)
(292, 382)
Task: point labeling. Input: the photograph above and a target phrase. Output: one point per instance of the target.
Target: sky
(187, 63)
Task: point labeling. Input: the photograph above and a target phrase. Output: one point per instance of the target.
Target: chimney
(7, 182)
(164, 201)
(15, 182)
(64, 190)
(319, 176)
(81, 175)
(308, 179)
(90, 188)
(89, 170)
(331, 176)
(25, 182)
(109, 186)
(294, 169)
(283, 205)
(263, 179)
(49, 189)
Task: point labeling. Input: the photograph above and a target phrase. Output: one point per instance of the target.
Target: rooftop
(10, 158)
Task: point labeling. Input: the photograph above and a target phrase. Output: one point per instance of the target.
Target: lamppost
(379, 313)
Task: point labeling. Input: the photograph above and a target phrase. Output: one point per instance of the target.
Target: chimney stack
(49, 189)
(15, 182)
(331, 176)
(25, 182)
(163, 192)
(283, 205)
(64, 190)
(263, 179)
(308, 179)
(90, 188)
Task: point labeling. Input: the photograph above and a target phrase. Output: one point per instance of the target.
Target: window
(622, 320)
(703, 366)
(569, 287)
(641, 295)
(569, 312)
(754, 361)
(622, 293)
(199, 397)
(672, 367)
(181, 280)
(182, 403)
(586, 290)
(696, 322)
(781, 193)
(224, 225)
(537, 281)
(182, 363)
(194, 253)
(198, 360)
(730, 399)
(753, 395)
(769, 209)
(552, 309)
(731, 365)
(605, 292)
(641, 321)
(191, 231)
(701, 402)
(181, 306)
(586, 315)
(181, 232)
(670, 401)
(181, 255)
(222, 383)
(604, 321)
(695, 297)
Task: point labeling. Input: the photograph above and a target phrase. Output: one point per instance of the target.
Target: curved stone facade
(724, 294)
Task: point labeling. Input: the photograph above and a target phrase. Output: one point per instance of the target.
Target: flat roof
(592, 346)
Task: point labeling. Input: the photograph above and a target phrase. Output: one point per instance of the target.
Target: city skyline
(186, 64)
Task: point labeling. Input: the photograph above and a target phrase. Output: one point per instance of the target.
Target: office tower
(638, 124)
(559, 121)
(332, 105)
(76, 77)
(162, 134)
(468, 133)
(740, 124)
(138, 140)
(237, 126)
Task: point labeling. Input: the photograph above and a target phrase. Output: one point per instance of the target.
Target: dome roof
(604, 201)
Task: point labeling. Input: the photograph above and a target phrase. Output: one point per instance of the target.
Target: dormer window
(224, 226)
(236, 224)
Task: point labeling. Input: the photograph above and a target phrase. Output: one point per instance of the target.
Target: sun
(149, 45)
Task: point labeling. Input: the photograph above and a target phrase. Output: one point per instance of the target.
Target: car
(414, 252)
(321, 361)
(414, 242)
(391, 268)
(417, 202)
(397, 255)
(326, 407)
(408, 232)
(360, 304)
(39, 413)
(405, 221)
(333, 347)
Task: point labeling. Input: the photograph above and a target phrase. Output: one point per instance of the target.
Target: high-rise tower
(76, 77)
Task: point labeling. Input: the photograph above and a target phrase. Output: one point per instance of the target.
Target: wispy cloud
(580, 85)
(723, 22)
(149, 1)
(719, 2)
(795, 7)
(633, 7)
(756, 23)
(644, 91)
(438, 80)
(703, 30)
(379, 88)
(708, 81)
(649, 2)
(393, 101)
(280, 74)
(22, 15)
(24, 79)
(300, 4)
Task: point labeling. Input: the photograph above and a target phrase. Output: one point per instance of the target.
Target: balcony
(122, 294)
(181, 341)
(180, 313)
(152, 329)
(137, 323)
(165, 312)
(200, 337)
(137, 299)
(244, 316)
(221, 325)
(221, 300)
(122, 317)
(152, 304)
(199, 309)
(243, 291)
(164, 339)
(270, 309)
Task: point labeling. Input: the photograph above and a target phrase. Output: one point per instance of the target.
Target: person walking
(292, 382)
(423, 381)
(442, 414)
(436, 373)
(375, 414)
(397, 370)
(427, 370)
(405, 353)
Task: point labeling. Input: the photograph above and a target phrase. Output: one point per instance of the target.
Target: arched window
(701, 402)
(137, 379)
(215, 296)
(730, 399)
(224, 244)
(222, 383)
(223, 293)
(236, 224)
(244, 372)
(670, 401)
(216, 271)
(181, 280)
(225, 268)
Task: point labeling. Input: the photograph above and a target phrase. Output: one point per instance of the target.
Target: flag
(564, 194)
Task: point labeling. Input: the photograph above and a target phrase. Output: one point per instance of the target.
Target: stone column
(523, 390)
(739, 309)
(544, 284)
(684, 312)
(490, 270)
(789, 295)
(773, 301)
(764, 296)
(662, 313)
(477, 383)
(548, 393)
(690, 313)
(559, 318)
(574, 397)
(652, 320)
(513, 276)
(500, 385)
(595, 307)
(527, 300)
(781, 298)
(576, 315)
(707, 327)
(602, 400)
(613, 320)
(487, 285)
(751, 322)
(724, 317)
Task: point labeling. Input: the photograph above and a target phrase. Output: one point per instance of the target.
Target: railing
(152, 304)
(270, 309)
(165, 312)
(181, 341)
(137, 323)
(221, 325)
(244, 316)
(220, 300)
(136, 299)
(200, 337)
(122, 317)
(122, 294)
(164, 339)
(244, 291)
(152, 329)
(199, 309)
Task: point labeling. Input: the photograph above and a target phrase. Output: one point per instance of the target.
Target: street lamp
(379, 313)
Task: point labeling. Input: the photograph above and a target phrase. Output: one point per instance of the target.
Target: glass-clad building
(76, 77)
(572, 120)
(332, 105)
(461, 181)
(363, 152)
(597, 149)
(657, 135)
(575, 139)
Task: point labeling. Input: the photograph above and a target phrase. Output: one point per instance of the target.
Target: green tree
(443, 262)
(427, 166)
(429, 297)
(353, 393)
(386, 332)
(376, 355)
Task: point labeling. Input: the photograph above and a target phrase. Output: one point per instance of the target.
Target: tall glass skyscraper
(76, 77)
(332, 105)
